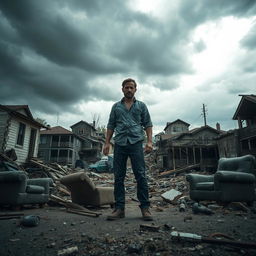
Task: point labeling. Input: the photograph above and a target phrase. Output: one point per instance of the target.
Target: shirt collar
(122, 100)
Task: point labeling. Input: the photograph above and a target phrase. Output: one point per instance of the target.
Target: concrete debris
(68, 251)
(171, 195)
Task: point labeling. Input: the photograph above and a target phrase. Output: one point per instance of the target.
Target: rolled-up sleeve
(112, 119)
(146, 119)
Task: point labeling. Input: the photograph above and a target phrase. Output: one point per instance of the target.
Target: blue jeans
(136, 154)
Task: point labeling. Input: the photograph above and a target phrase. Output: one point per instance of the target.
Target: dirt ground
(58, 230)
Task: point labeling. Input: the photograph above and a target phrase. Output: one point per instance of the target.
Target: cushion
(239, 164)
(13, 176)
(34, 189)
(76, 178)
(204, 186)
(229, 176)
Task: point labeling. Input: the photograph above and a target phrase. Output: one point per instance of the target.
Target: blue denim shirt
(128, 124)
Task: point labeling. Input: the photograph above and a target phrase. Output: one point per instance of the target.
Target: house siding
(83, 129)
(3, 129)
(204, 137)
(175, 128)
(21, 151)
(228, 145)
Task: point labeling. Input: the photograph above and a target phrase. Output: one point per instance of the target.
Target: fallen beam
(72, 206)
(85, 213)
(177, 171)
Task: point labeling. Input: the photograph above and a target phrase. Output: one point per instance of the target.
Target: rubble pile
(169, 193)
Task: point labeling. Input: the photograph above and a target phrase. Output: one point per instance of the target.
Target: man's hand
(106, 149)
(148, 147)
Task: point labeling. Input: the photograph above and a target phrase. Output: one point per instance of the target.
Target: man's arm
(149, 145)
(107, 142)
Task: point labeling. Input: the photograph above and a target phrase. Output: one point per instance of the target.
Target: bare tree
(41, 121)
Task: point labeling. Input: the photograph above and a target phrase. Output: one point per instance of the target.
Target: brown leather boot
(116, 214)
(146, 215)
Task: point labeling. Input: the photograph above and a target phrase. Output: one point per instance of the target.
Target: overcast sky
(66, 59)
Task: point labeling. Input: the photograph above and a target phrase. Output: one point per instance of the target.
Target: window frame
(21, 134)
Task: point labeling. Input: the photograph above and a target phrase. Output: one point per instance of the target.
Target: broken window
(54, 153)
(43, 139)
(81, 131)
(63, 153)
(64, 138)
(41, 154)
(21, 134)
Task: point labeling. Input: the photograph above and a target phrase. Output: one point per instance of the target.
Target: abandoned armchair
(84, 192)
(16, 189)
(234, 181)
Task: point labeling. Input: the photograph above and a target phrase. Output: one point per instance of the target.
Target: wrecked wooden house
(59, 145)
(92, 145)
(180, 147)
(19, 132)
(241, 141)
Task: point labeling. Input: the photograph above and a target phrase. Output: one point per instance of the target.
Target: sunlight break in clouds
(222, 46)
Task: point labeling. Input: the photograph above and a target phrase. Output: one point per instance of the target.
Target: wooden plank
(69, 204)
(180, 170)
(85, 213)
(63, 190)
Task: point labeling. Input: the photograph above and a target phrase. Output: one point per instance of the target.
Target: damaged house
(241, 141)
(19, 131)
(92, 145)
(59, 145)
(65, 147)
(180, 147)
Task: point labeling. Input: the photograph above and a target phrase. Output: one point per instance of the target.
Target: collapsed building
(180, 146)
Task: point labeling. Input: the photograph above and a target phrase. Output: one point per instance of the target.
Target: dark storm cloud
(166, 85)
(53, 51)
(249, 41)
(50, 34)
(196, 12)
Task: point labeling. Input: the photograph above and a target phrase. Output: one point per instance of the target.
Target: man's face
(129, 90)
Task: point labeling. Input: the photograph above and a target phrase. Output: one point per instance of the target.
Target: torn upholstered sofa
(234, 181)
(84, 192)
(16, 189)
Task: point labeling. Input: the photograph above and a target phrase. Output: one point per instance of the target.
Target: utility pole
(204, 114)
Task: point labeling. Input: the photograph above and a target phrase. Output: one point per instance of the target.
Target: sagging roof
(199, 129)
(246, 107)
(82, 122)
(191, 132)
(14, 110)
(178, 120)
(56, 130)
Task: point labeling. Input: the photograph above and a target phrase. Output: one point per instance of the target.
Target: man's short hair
(127, 81)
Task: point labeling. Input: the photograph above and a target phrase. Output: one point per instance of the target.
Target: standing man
(128, 119)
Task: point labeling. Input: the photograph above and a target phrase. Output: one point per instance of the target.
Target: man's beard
(129, 95)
